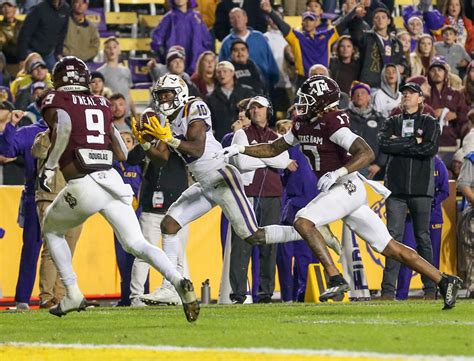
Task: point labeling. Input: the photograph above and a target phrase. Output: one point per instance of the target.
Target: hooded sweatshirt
(385, 99)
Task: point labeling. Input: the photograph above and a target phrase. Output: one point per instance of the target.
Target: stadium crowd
(246, 62)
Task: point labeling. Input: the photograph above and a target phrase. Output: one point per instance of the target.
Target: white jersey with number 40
(196, 110)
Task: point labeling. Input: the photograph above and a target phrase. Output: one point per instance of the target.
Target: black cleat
(449, 287)
(337, 286)
(189, 299)
(58, 311)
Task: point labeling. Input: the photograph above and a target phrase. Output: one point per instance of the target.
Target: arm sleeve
(63, 132)
(120, 141)
(136, 155)
(343, 137)
(282, 25)
(244, 162)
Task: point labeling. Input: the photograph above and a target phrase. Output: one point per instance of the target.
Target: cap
(9, 2)
(413, 18)
(97, 74)
(260, 100)
(226, 65)
(413, 87)
(172, 55)
(37, 85)
(178, 48)
(309, 14)
(111, 38)
(438, 61)
(418, 79)
(36, 64)
(359, 85)
(382, 10)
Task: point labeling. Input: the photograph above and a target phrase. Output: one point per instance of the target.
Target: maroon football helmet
(317, 94)
(71, 74)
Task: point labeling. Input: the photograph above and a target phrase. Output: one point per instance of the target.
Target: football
(145, 119)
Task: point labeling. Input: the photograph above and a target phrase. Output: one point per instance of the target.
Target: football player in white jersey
(336, 154)
(187, 130)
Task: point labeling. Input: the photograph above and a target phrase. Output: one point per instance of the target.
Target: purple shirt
(441, 191)
(18, 142)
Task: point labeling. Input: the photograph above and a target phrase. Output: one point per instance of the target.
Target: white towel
(376, 186)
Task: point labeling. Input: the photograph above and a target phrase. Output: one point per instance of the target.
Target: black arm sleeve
(284, 27)
(136, 155)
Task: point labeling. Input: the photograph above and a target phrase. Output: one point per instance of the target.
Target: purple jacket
(299, 187)
(441, 191)
(18, 142)
(185, 29)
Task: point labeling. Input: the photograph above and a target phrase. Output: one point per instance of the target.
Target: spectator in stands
(419, 19)
(23, 78)
(5, 77)
(264, 187)
(246, 71)
(33, 113)
(161, 187)
(183, 26)
(450, 107)
(9, 31)
(224, 99)
(175, 63)
(259, 50)
(388, 96)
(131, 174)
(366, 122)
(455, 16)
(283, 91)
(454, 53)
(411, 140)
(82, 39)
(310, 46)
(44, 31)
(415, 29)
(117, 76)
(374, 56)
(314, 6)
(51, 287)
(345, 66)
(157, 70)
(38, 72)
(204, 78)
(370, 8)
(207, 8)
(319, 69)
(421, 58)
(119, 112)
(97, 85)
(404, 38)
(468, 88)
(256, 18)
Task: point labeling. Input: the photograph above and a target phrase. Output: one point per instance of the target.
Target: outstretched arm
(267, 150)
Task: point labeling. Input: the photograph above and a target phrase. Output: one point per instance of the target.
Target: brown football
(145, 119)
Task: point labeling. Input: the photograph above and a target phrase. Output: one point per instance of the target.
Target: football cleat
(65, 306)
(165, 295)
(449, 287)
(337, 286)
(188, 297)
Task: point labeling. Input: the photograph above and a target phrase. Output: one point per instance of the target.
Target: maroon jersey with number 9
(90, 119)
(323, 154)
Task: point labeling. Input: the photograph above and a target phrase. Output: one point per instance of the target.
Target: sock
(171, 247)
(61, 254)
(280, 234)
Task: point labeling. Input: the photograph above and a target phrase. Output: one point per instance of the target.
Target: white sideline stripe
(381, 322)
(265, 350)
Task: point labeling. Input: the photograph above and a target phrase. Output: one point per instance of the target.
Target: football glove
(46, 179)
(162, 133)
(328, 179)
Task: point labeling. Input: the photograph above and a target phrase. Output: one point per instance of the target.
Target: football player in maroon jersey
(84, 143)
(336, 154)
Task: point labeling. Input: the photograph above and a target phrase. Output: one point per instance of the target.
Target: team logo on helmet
(317, 94)
(175, 84)
(71, 74)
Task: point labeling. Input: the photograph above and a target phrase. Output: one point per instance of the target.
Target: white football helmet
(174, 83)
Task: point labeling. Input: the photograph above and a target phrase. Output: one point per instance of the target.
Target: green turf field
(413, 327)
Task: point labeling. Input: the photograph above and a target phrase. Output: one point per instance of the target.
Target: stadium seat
(147, 23)
(96, 16)
(152, 4)
(130, 45)
(123, 18)
(293, 21)
(140, 96)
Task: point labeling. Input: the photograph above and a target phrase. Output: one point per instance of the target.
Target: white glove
(229, 151)
(328, 179)
(46, 179)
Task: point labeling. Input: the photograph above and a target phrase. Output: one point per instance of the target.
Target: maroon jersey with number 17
(90, 119)
(323, 154)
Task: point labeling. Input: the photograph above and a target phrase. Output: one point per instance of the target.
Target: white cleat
(165, 295)
(188, 296)
(69, 304)
(136, 302)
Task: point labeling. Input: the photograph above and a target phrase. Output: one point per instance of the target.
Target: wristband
(341, 172)
(173, 142)
(146, 146)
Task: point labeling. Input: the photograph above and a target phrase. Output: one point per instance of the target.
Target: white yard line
(274, 351)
